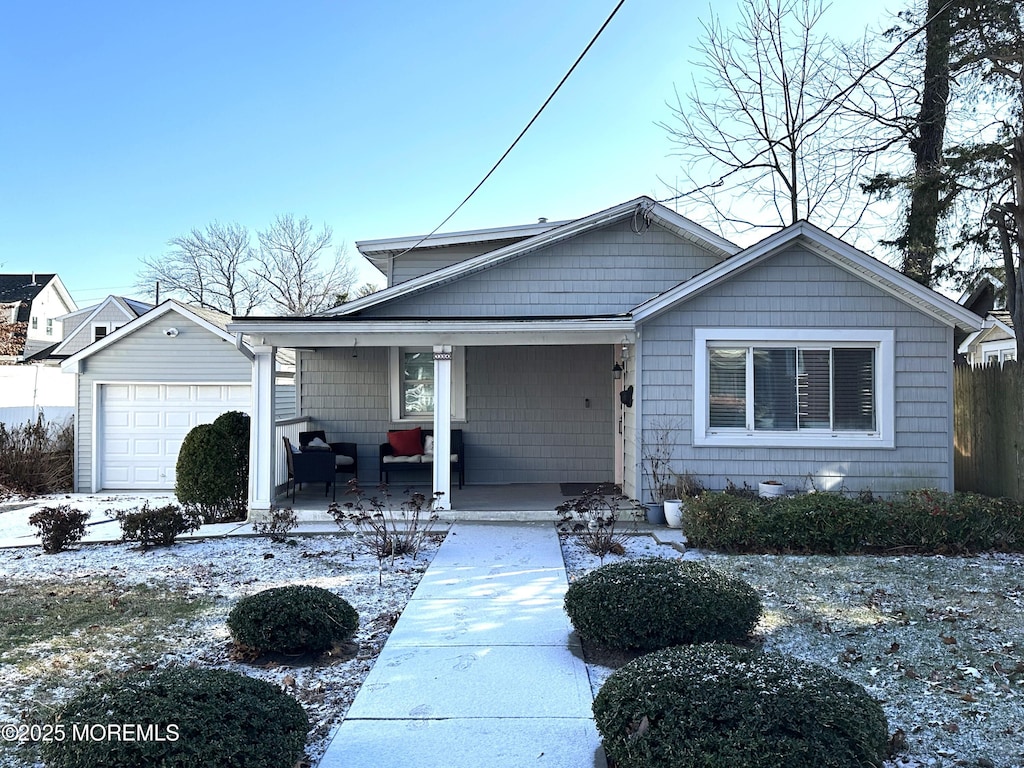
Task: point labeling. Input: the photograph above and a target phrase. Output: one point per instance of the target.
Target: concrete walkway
(482, 669)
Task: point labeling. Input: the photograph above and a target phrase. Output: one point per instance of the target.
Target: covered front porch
(537, 404)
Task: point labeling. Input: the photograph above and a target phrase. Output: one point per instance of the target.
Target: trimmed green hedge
(194, 717)
(928, 522)
(716, 706)
(292, 619)
(656, 602)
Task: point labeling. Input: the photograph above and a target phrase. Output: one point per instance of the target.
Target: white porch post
(443, 425)
(262, 464)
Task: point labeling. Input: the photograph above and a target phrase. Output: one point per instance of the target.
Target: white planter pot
(674, 513)
(768, 490)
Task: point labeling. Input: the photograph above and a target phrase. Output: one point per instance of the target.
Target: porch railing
(289, 428)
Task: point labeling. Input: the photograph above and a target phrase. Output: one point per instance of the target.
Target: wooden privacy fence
(988, 424)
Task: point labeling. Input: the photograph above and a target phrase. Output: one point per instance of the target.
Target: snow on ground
(939, 641)
(216, 572)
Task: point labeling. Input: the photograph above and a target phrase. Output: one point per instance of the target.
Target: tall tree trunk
(921, 241)
(1015, 301)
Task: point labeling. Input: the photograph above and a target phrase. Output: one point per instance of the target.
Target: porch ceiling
(331, 332)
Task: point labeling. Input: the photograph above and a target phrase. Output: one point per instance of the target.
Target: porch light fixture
(617, 371)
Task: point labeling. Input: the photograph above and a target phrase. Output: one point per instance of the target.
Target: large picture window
(797, 387)
(412, 384)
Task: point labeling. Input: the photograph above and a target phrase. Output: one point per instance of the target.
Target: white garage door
(142, 427)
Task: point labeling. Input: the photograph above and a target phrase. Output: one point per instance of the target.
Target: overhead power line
(521, 133)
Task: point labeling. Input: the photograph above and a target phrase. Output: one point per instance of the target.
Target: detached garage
(143, 387)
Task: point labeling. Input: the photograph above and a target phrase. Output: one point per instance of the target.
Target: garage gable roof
(211, 320)
(833, 250)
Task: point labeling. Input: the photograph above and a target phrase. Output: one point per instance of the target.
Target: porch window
(807, 388)
(412, 384)
(417, 383)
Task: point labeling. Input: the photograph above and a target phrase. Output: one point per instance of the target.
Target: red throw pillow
(407, 442)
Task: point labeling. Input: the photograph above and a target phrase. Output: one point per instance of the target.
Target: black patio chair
(310, 467)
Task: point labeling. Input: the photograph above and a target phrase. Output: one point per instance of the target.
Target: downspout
(241, 347)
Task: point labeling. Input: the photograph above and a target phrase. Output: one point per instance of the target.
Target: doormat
(578, 489)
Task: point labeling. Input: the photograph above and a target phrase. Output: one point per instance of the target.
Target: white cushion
(343, 461)
(402, 459)
(428, 444)
(316, 442)
(295, 448)
(429, 457)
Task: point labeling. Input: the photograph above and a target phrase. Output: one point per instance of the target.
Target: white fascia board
(63, 293)
(680, 225)
(384, 333)
(390, 245)
(833, 250)
(141, 322)
(965, 347)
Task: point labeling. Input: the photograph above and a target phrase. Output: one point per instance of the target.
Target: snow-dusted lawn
(70, 618)
(938, 641)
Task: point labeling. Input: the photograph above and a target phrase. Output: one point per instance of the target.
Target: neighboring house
(995, 343)
(561, 350)
(30, 309)
(83, 327)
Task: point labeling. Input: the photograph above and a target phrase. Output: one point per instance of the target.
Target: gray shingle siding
(797, 289)
(81, 337)
(427, 260)
(604, 272)
(527, 418)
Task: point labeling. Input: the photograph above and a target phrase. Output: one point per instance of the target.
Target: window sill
(789, 440)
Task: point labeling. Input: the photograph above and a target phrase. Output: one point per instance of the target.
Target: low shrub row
(925, 522)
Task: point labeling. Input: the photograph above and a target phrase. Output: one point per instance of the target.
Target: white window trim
(106, 326)
(458, 385)
(885, 390)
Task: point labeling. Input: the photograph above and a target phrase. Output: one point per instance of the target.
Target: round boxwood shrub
(722, 706)
(180, 718)
(293, 619)
(206, 475)
(654, 602)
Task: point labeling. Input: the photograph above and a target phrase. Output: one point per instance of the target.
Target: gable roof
(997, 321)
(833, 250)
(23, 287)
(129, 307)
(212, 320)
(643, 209)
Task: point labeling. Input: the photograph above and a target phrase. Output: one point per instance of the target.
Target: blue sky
(127, 124)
